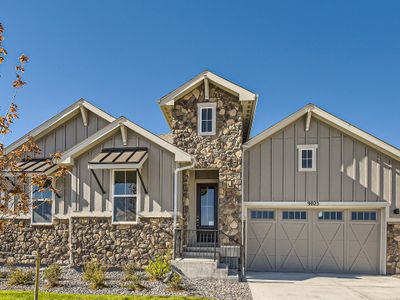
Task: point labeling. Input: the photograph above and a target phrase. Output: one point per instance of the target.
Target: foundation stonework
(393, 249)
(19, 240)
(221, 151)
(117, 245)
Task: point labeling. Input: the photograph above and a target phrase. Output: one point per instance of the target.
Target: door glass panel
(207, 206)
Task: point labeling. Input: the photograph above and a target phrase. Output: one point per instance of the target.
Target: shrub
(20, 277)
(157, 269)
(134, 282)
(94, 273)
(130, 268)
(3, 275)
(175, 282)
(52, 275)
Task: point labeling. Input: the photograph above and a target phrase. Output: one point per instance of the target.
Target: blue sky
(122, 56)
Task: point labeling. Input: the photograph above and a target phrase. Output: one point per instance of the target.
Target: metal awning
(36, 165)
(119, 158)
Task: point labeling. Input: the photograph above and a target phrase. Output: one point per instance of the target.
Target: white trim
(308, 120)
(137, 196)
(303, 204)
(313, 149)
(61, 117)
(68, 156)
(200, 107)
(333, 121)
(124, 135)
(242, 93)
(84, 114)
(53, 207)
(383, 236)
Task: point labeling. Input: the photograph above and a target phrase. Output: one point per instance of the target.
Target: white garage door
(333, 241)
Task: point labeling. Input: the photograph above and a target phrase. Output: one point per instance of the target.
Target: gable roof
(313, 111)
(58, 119)
(69, 155)
(247, 98)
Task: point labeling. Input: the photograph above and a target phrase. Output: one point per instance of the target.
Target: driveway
(301, 286)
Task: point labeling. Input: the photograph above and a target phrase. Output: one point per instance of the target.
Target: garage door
(333, 241)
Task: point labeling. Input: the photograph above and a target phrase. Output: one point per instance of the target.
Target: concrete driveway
(301, 286)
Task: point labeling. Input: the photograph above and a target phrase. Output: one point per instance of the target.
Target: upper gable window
(42, 199)
(307, 157)
(206, 118)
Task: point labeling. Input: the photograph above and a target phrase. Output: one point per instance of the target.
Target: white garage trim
(383, 207)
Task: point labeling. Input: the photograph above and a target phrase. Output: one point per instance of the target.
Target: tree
(14, 183)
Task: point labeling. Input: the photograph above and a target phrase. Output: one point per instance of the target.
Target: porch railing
(209, 244)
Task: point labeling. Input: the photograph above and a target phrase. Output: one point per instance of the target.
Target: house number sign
(313, 203)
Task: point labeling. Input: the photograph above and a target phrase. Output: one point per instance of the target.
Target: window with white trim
(363, 215)
(262, 214)
(206, 118)
(307, 157)
(330, 215)
(124, 196)
(42, 203)
(294, 215)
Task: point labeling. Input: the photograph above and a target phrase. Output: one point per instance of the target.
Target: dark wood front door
(207, 207)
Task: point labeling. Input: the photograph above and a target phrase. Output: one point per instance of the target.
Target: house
(310, 194)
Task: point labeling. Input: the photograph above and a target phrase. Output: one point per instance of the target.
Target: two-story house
(310, 194)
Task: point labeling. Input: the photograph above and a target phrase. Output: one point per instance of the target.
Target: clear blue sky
(123, 55)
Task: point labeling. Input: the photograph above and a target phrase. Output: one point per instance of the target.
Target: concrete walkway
(301, 286)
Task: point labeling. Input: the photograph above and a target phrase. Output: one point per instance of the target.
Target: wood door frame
(198, 210)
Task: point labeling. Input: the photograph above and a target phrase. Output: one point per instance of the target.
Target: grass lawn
(21, 295)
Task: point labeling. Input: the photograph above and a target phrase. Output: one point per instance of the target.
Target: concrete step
(198, 254)
(200, 268)
(199, 249)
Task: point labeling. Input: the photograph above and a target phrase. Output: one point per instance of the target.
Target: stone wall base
(115, 245)
(393, 249)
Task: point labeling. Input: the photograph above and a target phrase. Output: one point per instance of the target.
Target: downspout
(244, 217)
(176, 189)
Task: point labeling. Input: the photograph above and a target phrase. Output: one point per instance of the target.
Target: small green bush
(134, 282)
(94, 273)
(3, 275)
(130, 268)
(20, 277)
(175, 283)
(157, 269)
(52, 275)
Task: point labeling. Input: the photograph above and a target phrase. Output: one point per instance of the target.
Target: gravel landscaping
(71, 282)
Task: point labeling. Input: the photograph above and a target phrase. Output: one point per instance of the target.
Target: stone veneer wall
(393, 249)
(117, 245)
(222, 151)
(20, 239)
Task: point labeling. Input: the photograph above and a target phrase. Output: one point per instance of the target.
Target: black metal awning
(113, 158)
(36, 165)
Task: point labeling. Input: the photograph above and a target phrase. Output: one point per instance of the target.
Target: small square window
(307, 157)
(294, 215)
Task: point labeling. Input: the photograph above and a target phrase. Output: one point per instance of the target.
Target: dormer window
(206, 118)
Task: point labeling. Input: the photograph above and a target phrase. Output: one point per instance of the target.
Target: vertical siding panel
(92, 123)
(300, 177)
(106, 200)
(60, 139)
(118, 140)
(70, 134)
(361, 181)
(265, 172)
(246, 175)
(311, 177)
(323, 169)
(254, 174)
(167, 176)
(386, 180)
(101, 123)
(81, 131)
(396, 185)
(277, 168)
(336, 168)
(67, 194)
(289, 164)
(349, 169)
(84, 183)
(374, 169)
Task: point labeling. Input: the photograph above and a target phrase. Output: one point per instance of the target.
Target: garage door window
(262, 214)
(330, 215)
(294, 215)
(363, 216)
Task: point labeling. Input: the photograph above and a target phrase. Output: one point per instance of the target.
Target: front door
(207, 219)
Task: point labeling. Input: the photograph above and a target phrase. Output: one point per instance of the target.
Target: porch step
(200, 268)
(201, 254)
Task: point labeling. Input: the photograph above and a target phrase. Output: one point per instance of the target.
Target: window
(206, 118)
(262, 214)
(42, 204)
(294, 215)
(307, 157)
(363, 215)
(124, 196)
(330, 215)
